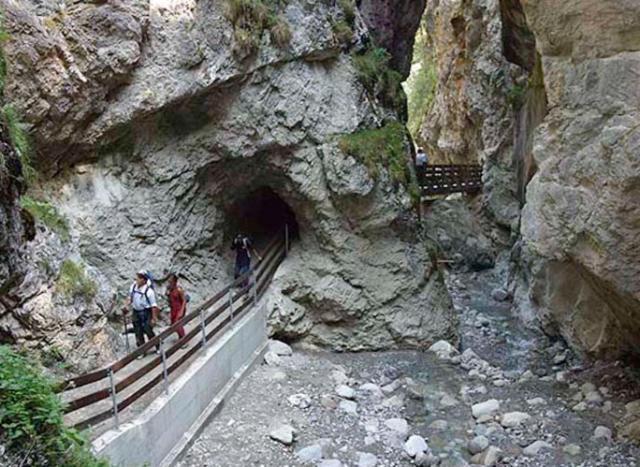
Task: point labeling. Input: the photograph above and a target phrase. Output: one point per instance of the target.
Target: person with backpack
(243, 248)
(177, 299)
(142, 300)
(421, 165)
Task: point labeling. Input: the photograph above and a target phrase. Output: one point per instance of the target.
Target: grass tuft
(31, 417)
(348, 7)
(73, 281)
(378, 147)
(342, 32)
(47, 214)
(250, 18)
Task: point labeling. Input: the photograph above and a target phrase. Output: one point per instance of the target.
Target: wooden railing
(256, 279)
(446, 179)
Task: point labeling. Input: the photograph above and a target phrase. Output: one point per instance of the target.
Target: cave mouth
(261, 214)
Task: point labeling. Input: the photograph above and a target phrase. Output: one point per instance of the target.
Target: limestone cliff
(166, 129)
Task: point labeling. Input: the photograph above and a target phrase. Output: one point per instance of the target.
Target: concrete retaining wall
(158, 435)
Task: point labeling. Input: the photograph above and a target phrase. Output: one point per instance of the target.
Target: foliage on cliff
(73, 281)
(250, 18)
(47, 214)
(377, 76)
(31, 422)
(378, 147)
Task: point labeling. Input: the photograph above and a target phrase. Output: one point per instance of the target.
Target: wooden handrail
(262, 272)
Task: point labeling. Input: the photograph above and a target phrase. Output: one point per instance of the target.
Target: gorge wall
(159, 123)
(545, 94)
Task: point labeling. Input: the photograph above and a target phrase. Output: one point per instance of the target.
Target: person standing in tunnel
(243, 248)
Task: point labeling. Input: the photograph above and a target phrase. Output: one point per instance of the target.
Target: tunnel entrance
(260, 215)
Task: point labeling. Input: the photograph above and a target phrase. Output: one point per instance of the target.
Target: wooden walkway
(107, 394)
(447, 179)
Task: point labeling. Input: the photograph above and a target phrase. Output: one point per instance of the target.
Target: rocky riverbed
(508, 397)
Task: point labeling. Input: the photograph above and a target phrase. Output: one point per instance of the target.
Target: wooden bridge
(447, 179)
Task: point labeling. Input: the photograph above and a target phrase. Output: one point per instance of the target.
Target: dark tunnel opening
(260, 215)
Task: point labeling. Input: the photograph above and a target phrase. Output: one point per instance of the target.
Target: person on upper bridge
(243, 248)
(177, 299)
(142, 299)
(421, 163)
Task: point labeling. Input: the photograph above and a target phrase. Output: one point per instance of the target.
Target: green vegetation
(4, 36)
(31, 417)
(250, 18)
(421, 84)
(516, 95)
(342, 32)
(378, 77)
(19, 141)
(73, 281)
(380, 147)
(348, 7)
(47, 214)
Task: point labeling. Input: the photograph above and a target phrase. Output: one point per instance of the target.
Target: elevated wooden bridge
(448, 179)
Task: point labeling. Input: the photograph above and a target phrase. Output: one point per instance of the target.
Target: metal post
(202, 327)
(254, 288)
(286, 239)
(164, 367)
(114, 400)
(231, 304)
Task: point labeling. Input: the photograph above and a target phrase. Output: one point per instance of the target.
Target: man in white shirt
(142, 299)
(421, 163)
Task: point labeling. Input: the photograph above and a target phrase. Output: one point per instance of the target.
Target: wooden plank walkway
(447, 179)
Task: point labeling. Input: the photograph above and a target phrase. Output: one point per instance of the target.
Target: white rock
(572, 449)
(489, 456)
(280, 348)
(439, 425)
(485, 408)
(415, 445)
(349, 407)
(499, 294)
(513, 419)
(301, 401)
(391, 387)
(330, 463)
(394, 401)
(448, 401)
(366, 459)
(346, 392)
(593, 396)
(586, 388)
(579, 407)
(310, 454)
(340, 377)
(478, 444)
(534, 448)
(272, 359)
(536, 401)
(602, 432)
(443, 349)
(282, 433)
(399, 425)
(371, 425)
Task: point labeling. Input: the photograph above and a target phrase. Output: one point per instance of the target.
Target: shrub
(377, 147)
(421, 88)
(342, 32)
(47, 214)
(377, 76)
(19, 141)
(73, 281)
(349, 9)
(250, 18)
(31, 419)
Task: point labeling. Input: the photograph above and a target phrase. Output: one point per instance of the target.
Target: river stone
(366, 459)
(478, 444)
(329, 401)
(282, 433)
(372, 389)
(348, 406)
(486, 408)
(602, 432)
(272, 359)
(499, 294)
(399, 425)
(572, 449)
(448, 401)
(536, 401)
(489, 456)
(346, 392)
(279, 348)
(443, 349)
(534, 448)
(310, 454)
(415, 445)
(330, 463)
(439, 425)
(513, 419)
(301, 401)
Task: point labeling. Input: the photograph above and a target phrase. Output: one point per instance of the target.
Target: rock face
(168, 144)
(580, 229)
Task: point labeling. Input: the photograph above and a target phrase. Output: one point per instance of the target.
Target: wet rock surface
(416, 407)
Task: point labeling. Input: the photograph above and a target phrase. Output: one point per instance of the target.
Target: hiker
(243, 248)
(142, 299)
(421, 164)
(177, 302)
